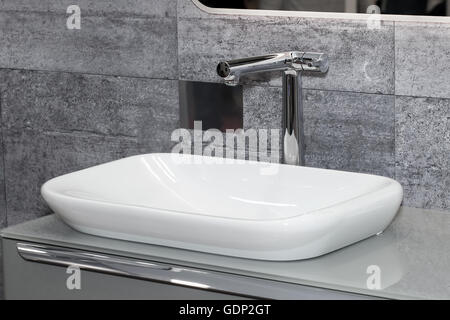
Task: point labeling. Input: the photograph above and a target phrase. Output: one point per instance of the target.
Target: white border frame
(329, 15)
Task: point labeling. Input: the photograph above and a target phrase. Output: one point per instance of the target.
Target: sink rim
(385, 183)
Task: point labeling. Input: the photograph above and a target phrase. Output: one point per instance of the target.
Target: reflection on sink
(230, 207)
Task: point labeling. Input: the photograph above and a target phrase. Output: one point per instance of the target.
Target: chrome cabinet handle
(140, 269)
(228, 283)
(122, 266)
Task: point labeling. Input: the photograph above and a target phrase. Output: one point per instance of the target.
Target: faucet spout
(232, 70)
(292, 64)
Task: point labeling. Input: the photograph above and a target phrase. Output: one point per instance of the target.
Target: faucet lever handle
(311, 61)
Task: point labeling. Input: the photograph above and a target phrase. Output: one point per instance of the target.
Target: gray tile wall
(367, 67)
(422, 59)
(366, 114)
(54, 123)
(74, 98)
(422, 113)
(71, 99)
(350, 131)
(344, 130)
(139, 41)
(423, 150)
(3, 221)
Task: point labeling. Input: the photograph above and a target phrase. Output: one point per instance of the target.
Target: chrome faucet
(292, 64)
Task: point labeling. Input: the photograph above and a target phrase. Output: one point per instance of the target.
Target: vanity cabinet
(41, 271)
(34, 280)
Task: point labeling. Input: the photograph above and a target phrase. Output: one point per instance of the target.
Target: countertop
(413, 257)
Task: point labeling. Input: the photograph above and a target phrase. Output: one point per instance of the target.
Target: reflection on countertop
(411, 258)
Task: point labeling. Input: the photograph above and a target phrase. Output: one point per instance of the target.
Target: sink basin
(230, 207)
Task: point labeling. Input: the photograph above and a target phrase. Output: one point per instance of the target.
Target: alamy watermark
(74, 20)
(374, 280)
(73, 282)
(374, 19)
(250, 144)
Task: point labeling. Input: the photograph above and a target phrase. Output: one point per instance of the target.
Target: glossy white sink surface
(230, 207)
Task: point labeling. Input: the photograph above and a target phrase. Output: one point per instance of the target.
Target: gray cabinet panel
(40, 271)
(31, 280)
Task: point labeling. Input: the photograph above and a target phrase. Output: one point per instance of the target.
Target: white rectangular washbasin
(229, 207)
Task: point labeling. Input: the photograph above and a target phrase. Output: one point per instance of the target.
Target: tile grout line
(178, 62)
(177, 42)
(89, 14)
(3, 146)
(92, 74)
(247, 85)
(395, 102)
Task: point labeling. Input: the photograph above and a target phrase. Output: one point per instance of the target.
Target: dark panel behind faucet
(218, 106)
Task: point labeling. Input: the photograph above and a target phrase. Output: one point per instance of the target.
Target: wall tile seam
(269, 86)
(177, 42)
(422, 97)
(317, 89)
(395, 58)
(3, 147)
(80, 133)
(93, 14)
(290, 20)
(182, 79)
(343, 91)
(88, 74)
(396, 177)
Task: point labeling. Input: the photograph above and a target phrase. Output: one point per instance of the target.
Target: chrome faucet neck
(293, 146)
(292, 64)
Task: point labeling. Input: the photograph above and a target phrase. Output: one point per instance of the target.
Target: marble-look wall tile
(2, 183)
(423, 151)
(367, 67)
(422, 59)
(350, 131)
(343, 130)
(262, 108)
(161, 8)
(34, 157)
(108, 43)
(145, 109)
(55, 123)
(188, 9)
(263, 111)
